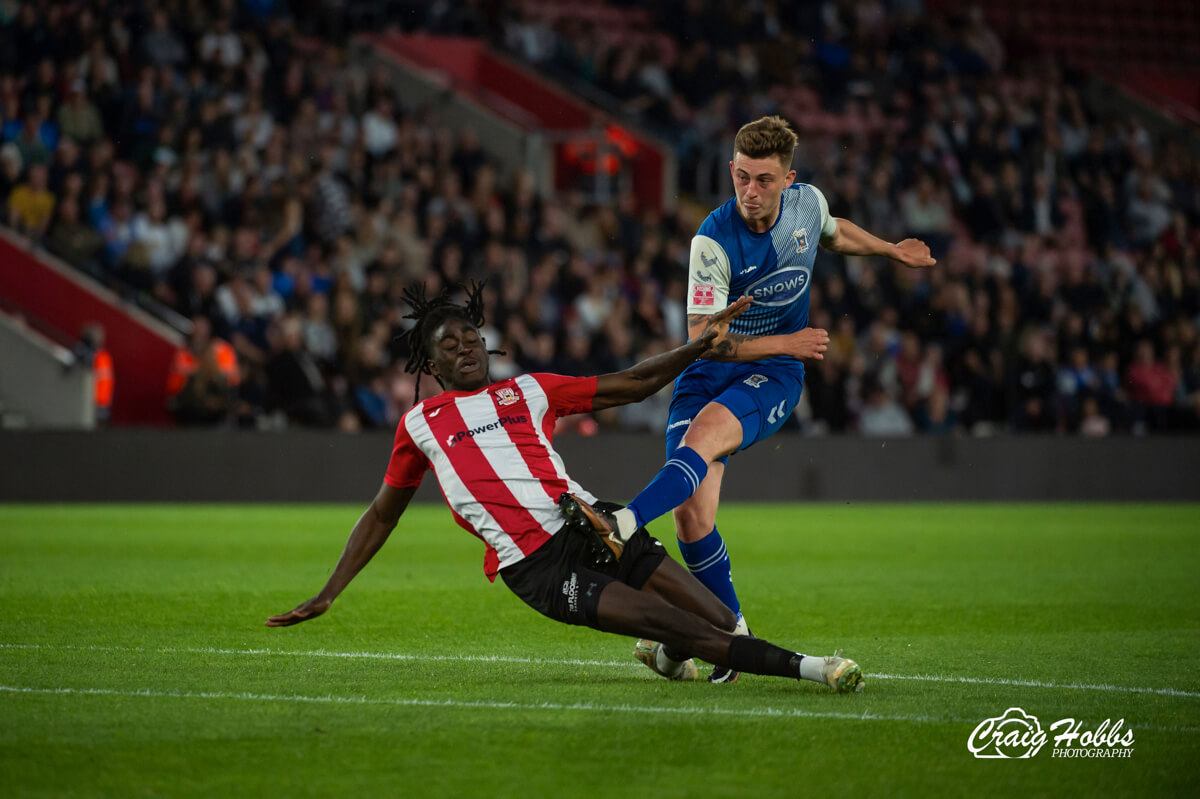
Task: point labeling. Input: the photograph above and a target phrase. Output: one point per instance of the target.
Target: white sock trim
(626, 523)
(812, 668)
(742, 628)
(666, 666)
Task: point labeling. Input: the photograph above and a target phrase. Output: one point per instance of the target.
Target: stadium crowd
(243, 173)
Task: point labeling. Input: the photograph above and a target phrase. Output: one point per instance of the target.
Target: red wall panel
(141, 352)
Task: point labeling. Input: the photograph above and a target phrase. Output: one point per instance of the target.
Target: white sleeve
(828, 223)
(708, 277)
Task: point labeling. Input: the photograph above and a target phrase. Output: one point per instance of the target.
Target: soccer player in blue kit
(761, 243)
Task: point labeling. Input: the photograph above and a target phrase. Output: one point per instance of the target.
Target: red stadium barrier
(67, 300)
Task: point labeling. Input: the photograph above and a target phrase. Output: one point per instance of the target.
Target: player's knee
(726, 619)
(715, 445)
(714, 434)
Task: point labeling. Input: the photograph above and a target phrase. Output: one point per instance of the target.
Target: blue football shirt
(728, 260)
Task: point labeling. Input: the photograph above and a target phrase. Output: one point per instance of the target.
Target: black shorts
(559, 581)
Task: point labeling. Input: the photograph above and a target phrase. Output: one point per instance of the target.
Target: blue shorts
(761, 395)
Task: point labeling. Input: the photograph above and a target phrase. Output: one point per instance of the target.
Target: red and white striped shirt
(492, 454)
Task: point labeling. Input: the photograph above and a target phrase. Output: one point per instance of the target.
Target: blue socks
(708, 560)
(677, 480)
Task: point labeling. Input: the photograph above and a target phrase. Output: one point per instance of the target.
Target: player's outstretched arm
(643, 379)
(807, 344)
(850, 239)
(369, 534)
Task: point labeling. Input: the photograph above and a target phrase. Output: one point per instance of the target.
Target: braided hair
(428, 313)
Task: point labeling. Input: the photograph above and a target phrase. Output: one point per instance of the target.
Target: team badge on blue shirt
(801, 237)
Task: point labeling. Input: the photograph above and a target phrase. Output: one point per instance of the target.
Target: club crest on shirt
(801, 237)
(507, 396)
(754, 381)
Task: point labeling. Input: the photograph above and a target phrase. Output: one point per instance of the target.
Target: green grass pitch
(134, 660)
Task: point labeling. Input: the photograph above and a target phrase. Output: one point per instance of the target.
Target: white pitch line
(484, 704)
(323, 653)
(478, 704)
(1038, 684)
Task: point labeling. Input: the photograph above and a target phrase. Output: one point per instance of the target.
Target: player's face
(459, 356)
(758, 184)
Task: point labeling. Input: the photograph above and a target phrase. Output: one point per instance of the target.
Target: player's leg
(718, 433)
(680, 587)
(684, 469)
(626, 611)
(756, 406)
(704, 553)
(734, 414)
(700, 544)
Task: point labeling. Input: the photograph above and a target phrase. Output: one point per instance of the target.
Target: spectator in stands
(319, 337)
(31, 205)
(73, 239)
(295, 384)
(1151, 386)
(207, 398)
(1077, 383)
(116, 227)
(927, 213)
(10, 169)
(270, 151)
(162, 241)
(160, 44)
(31, 141)
(203, 374)
(1148, 215)
(882, 415)
(1033, 386)
(221, 47)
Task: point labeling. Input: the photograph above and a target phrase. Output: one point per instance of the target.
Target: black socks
(756, 656)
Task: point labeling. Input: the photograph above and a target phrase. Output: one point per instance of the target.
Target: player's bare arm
(807, 344)
(368, 535)
(850, 239)
(645, 378)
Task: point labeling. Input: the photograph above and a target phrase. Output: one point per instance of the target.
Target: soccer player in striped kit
(489, 445)
(762, 243)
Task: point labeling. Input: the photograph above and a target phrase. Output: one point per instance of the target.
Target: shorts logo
(507, 396)
(801, 237)
(704, 295)
(570, 589)
(754, 381)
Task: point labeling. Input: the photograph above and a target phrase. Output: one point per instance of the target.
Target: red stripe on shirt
(482, 481)
(525, 439)
(491, 558)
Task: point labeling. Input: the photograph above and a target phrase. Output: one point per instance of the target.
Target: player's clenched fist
(809, 344)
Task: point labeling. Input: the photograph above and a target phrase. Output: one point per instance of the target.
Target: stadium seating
(268, 179)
